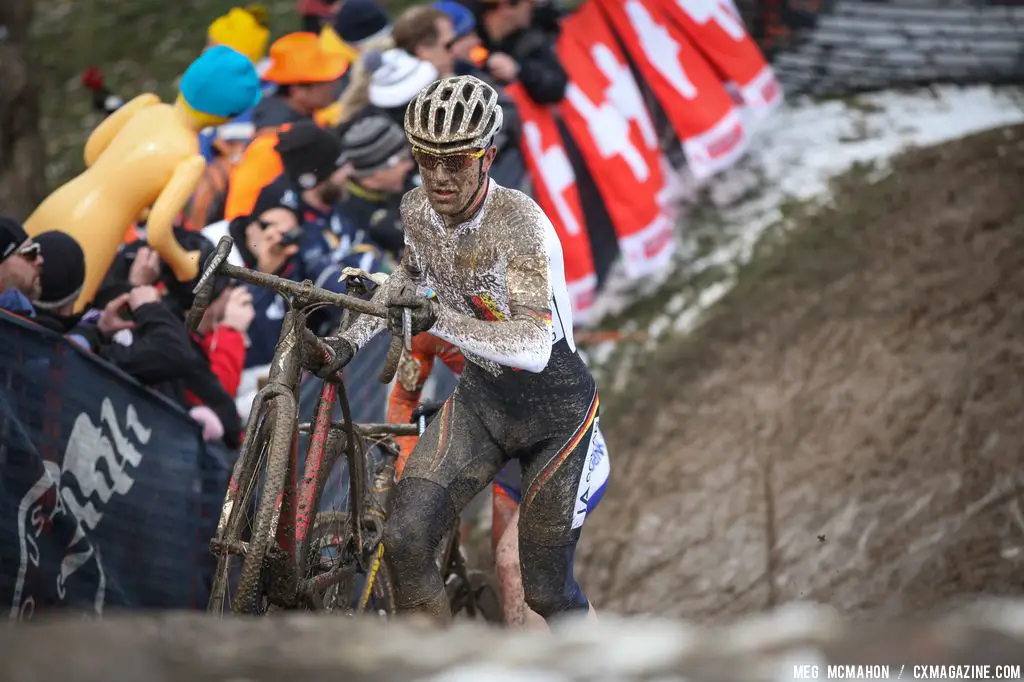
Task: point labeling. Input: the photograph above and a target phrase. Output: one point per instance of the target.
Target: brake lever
(395, 349)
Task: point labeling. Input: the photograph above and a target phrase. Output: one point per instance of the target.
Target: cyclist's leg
(454, 460)
(505, 493)
(510, 579)
(554, 506)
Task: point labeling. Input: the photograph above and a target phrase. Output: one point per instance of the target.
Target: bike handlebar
(305, 294)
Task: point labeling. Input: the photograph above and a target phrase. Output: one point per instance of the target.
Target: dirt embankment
(849, 426)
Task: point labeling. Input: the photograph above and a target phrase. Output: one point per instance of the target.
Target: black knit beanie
(63, 272)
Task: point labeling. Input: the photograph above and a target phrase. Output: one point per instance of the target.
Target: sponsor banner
(103, 488)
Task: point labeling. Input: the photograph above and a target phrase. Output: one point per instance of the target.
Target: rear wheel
(332, 560)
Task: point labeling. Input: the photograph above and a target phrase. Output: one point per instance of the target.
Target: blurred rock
(187, 647)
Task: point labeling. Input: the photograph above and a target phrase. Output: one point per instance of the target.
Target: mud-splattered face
(453, 182)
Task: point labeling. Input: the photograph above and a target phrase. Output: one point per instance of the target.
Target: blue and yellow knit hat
(222, 82)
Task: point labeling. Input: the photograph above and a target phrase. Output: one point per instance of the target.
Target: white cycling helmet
(455, 114)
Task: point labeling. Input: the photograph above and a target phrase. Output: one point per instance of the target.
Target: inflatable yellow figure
(146, 156)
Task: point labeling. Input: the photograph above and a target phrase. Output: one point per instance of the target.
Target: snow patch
(793, 157)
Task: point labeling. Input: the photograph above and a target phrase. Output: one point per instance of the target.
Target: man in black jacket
(142, 332)
(160, 354)
(521, 46)
(381, 161)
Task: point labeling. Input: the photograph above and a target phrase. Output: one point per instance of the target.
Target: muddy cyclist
(483, 269)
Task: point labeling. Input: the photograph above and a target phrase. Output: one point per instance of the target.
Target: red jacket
(225, 349)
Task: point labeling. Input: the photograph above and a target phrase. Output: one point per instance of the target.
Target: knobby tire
(282, 413)
(244, 474)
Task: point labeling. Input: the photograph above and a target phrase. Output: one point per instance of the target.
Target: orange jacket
(258, 167)
(406, 394)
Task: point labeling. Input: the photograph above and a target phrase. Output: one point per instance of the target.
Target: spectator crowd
(307, 183)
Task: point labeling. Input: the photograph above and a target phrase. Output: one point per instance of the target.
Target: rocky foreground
(188, 647)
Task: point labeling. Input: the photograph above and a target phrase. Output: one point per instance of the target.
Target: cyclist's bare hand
(110, 321)
(146, 268)
(424, 310)
(270, 254)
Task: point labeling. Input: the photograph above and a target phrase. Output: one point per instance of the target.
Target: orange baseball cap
(299, 58)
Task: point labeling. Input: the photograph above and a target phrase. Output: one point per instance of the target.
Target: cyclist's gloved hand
(424, 310)
(426, 409)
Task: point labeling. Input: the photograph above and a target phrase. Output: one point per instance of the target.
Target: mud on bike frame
(275, 560)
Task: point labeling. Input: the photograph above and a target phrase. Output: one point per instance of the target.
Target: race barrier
(108, 495)
(840, 47)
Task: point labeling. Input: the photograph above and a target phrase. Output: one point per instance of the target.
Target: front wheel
(258, 480)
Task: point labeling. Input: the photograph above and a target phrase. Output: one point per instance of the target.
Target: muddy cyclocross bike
(291, 556)
(294, 555)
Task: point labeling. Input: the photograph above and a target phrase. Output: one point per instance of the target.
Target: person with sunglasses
(21, 263)
(483, 270)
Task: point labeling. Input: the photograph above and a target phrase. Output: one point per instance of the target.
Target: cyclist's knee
(421, 512)
(548, 582)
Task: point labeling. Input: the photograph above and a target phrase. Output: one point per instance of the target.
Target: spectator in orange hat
(307, 78)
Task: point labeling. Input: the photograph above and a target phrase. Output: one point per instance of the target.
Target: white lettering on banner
(556, 171)
(84, 501)
(703, 11)
(648, 250)
(624, 92)
(609, 130)
(582, 292)
(660, 48)
(763, 93)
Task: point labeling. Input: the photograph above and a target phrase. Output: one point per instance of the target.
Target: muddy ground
(848, 426)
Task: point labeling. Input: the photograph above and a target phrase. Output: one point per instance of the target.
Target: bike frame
(297, 349)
